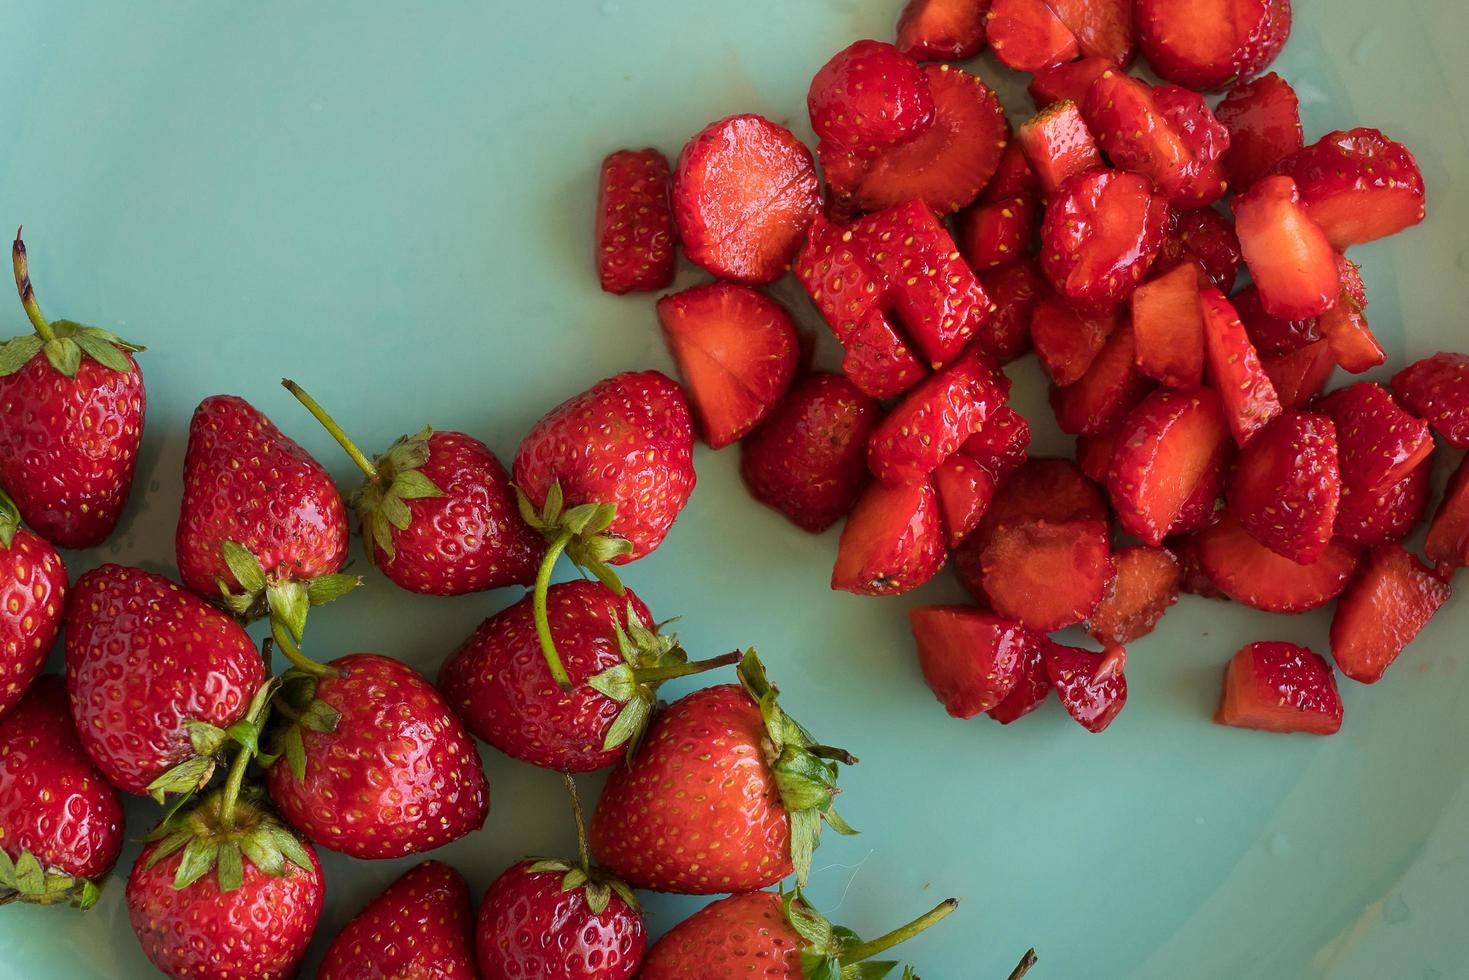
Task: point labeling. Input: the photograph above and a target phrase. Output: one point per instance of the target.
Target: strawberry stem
(333, 429)
(581, 827)
(543, 619)
(902, 934)
(293, 652)
(27, 293)
(1023, 967)
(232, 784)
(655, 675)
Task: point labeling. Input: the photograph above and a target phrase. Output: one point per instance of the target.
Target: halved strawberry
(1379, 441)
(1068, 82)
(878, 360)
(1206, 44)
(1094, 454)
(842, 280)
(1448, 534)
(1357, 185)
(635, 242)
(1206, 238)
(1103, 28)
(942, 30)
(1108, 390)
(998, 233)
(1280, 687)
(1249, 398)
(1102, 231)
(1000, 444)
(1437, 390)
(971, 659)
(965, 489)
(933, 420)
(1391, 598)
(1014, 291)
(1272, 335)
(1370, 518)
(1067, 342)
(1032, 684)
(1286, 485)
(1046, 575)
(1288, 255)
(949, 163)
(869, 96)
(1058, 144)
(1165, 447)
(1264, 122)
(1145, 585)
(737, 352)
(1131, 130)
(1300, 375)
(744, 193)
(1091, 687)
(1027, 36)
(1205, 138)
(892, 543)
(1248, 572)
(1169, 328)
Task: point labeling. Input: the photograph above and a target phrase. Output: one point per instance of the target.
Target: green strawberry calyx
(210, 744)
(26, 879)
(9, 519)
(63, 342)
(805, 771)
(284, 599)
(298, 711)
(597, 885)
(838, 953)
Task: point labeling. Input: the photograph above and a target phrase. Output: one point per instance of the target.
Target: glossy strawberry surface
(634, 230)
(868, 96)
(32, 595)
(740, 936)
(420, 926)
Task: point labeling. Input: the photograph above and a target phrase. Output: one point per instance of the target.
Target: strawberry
(1448, 534)
(1000, 444)
(1066, 83)
(610, 470)
(965, 489)
(1234, 369)
(370, 732)
(1300, 375)
(1049, 490)
(421, 925)
(634, 231)
(1380, 443)
(1169, 328)
(934, 419)
(1288, 255)
(1132, 131)
(1094, 454)
(998, 233)
(1101, 233)
(71, 421)
(1032, 686)
(840, 277)
(1167, 445)
(1357, 185)
(1389, 514)
(1091, 686)
(727, 793)
(1205, 139)
(868, 97)
(1345, 326)
(1286, 485)
(1045, 575)
(1273, 335)
(1013, 178)
(1206, 44)
(809, 459)
(1067, 342)
(1195, 580)
(1110, 388)
(156, 675)
(1014, 291)
(1103, 28)
(1201, 508)
(1263, 117)
(1391, 598)
(1205, 238)
(1027, 36)
(942, 30)
(744, 192)
(892, 543)
(878, 359)
(1248, 572)
(60, 822)
(32, 595)
(1280, 687)
(1437, 389)
(971, 659)
(1058, 144)
(1145, 585)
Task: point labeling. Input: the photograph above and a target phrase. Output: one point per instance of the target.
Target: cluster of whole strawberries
(1092, 237)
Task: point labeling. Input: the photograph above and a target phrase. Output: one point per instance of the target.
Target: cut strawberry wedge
(1013, 177)
(1000, 444)
(1201, 508)
(1300, 375)
(1107, 392)
(1168, 325)
(1250, 401)
(1145, 585)
(1031, 686)
(1373, 518)
(998, 233)
(1103, 28)
(1437, 390)
(1068, 82)
(971, 659)
(1206, 140)
(843, 282)
(1102, 231)
(1248, 572)
(1273, 335)
(1014, 291)
(1026, 36)
(1280, 687)
(892, 543)
(1046, 575)
(1357, 185)
(1288, 255)
(1094, 454)
(1264, 122)
(1205, 238)
(1166, 445)
(635, 240)
(1194, 580)
(1286, 485)
(1345, 325)
(1206, 44)
(1091, 689)
(737, 351)
(942, 30)
(1379, 441)
(878, 360)
(1046, 489)
(1131, 130)
(1065, 341)
(1058, 145)
(966, 489)
(1448, 534)
(934, 419)
(1391, 598)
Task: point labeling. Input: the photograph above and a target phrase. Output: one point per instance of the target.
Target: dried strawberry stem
(1023, 967)
(293, 652)
(543, 618)
(333, 429)
(655, 675)
(581, 827)
(902, 934)
(27, 293)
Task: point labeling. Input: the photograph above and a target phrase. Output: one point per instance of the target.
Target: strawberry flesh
(1068, 82)
(892, 543)
(1091, 690)
(1300, 375)
(1032, 685)
(1014, 291)
(1448, 534)
(635, 240)
(1206, 44)
(1357, 185)
(878, 359)
(1067, 342)
(1143, 588)
(1391, 599)
(1286, 485)
(1103, 28)
(1206, 140)
(1101, 233)
(1289, 256)
(1058, 144)
(1234, 369)
(1168, 327)
(1132, 131)
(1248, 572)
(942, 30)
(934, 419)
(965, 489)
(1046, 575)
(1437, 389)
(1345, 325)
(1027, 36)
(1107, 392)
(1280, 687)
(971, 659)
(1263, 117)
(994, 234)
(1380, 443)
(1166, 446)
(869, 96)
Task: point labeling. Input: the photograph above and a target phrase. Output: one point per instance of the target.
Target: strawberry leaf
(7, 871)
(288, 603)
(65, 356)
(413, 485)
(244, 566)
(102, 352)
(231, 867)
(295, 752)
(288, 845)
(598, 895)
(260, 851)
(16, 354)
(199, 856)
(325, 588)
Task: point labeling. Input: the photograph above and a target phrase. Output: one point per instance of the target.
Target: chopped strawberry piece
(878, 360)
(1286, 485)
(1205, 138)
(1000, 444)
(1166, 445)
(971, 659)
(1206, 44)
(1194, 580)
(1249, 398)
(737, 351)
(965, 490)
(1288, 255)
(1031, 687)
(1065, 341)
(942, 30)
(1169, 328)
(1103, 28)
(1206, 238)
(843, 170)
(869, 96)
(1131, 130)
(1046, 575)
(634, 222)
(1058, 144)
(1379, 441)
(1102, 231)
(892, 543)
(1248, 572)
(1369, 518)
(1027, 36)
(1272, 335)
(1045, 489)
(1091, 689)
(1264, 122)
(1448, 534)
(1357, 185)
(948, 164)
(1145, 585)
(1014, 290)
(1280, 687)
(1201, 508)
(998, 233)
(1094, 454)
(1301, 374)
(1068, 82)
(840, 277)
(1437, 389)
(1108, 390)
(1013, 177)
(934, 419)
(1348, 334)
(1391, 598)
(744, 193)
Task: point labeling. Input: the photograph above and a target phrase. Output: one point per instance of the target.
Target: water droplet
(1395, 910)
(1278, 844)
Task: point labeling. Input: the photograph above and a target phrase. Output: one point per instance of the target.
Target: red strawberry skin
(1264, 122)
(868, 96)
(53, 802)
(628, 441)
(246, 482)
(634, 231)
(1093, 702)
(1286, 485)
(1101, 233)
(934, 419)
(142, 657)
(893, 541)
(1358, 185)
(405, 771)
(69, 446)
(698, 811)
(1437, 389)
(421, 926)
(1380, 443)
(1370, 518)
(743, 935)
(942, 30)
(259, 930)
(498, 683)
(1280, 687)
(1389, 601)
(1205, 44)
(32, 596)
(530, 927)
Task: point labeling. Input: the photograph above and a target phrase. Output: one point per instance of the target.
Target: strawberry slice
(1031, 687)
(1107, 392)
(1091, 688)
(1437, 389)
(966, 489)
(1194, 580)
(1169, 328)
(892, 543)
(1273, 335)
(1373, 518)
(744, 193)
(635, 242)
(1286, 485)
(942, 30)
(1058, 144)
(1046, 575)
(1345, 325)
(842, 280)
(878, 360)
(1288, 255)
(1201, 508)
(1357, 185)
(1249, 398)
(1131, 130)
(1000, 444)
(1379, 441)
(1301, 374)
(1026, 36)
(1169, 443)
(1014, 291)
(1013, 177)
(998, 233)
(1448, 534)
(1145, 585)
(971, 659)
(1280, 687)
(869, 96)
(949, 163)
(1205, 138)
(1102, 231)
(1103, 28)
(1264, 122)
(1065, 341)
(1094, 454)
(1206, 44)
(1391, 598)
(1248, 572)
(934, 419)
(1045, 489)
(1206, 238)
(1066, 83)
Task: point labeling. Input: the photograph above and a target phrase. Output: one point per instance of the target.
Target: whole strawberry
(71, 420)
(437, 512)
(156, 675)
(421, 926)
(32, 595)
(726, 794)
(372, 762)
(497, 679)
(609, 470)
(60, 822)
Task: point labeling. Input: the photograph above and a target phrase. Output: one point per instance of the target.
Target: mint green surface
(392, 203)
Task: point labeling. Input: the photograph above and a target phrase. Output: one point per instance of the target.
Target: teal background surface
(392, 203)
